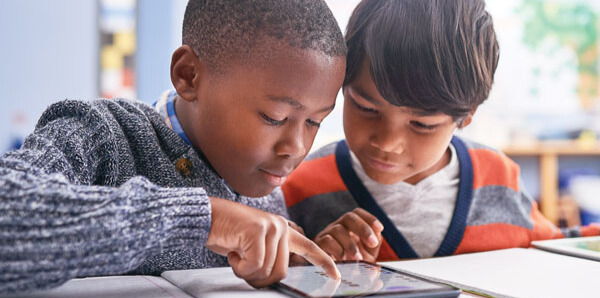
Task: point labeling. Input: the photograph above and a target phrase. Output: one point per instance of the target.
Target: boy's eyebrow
(413, 111)
(364, 95)
(296, 105)
(422, 113)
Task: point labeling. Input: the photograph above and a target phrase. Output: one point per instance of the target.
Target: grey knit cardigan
(95, 190)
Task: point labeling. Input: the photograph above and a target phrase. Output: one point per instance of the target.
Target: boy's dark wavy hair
(433, 55)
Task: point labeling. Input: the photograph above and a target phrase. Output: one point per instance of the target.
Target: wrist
(212, 234)
(220, 210)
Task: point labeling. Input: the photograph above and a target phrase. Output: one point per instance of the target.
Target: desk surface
(205, 283)
(515, 272)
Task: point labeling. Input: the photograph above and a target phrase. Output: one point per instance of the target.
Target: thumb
(234, 260)
(300, 245)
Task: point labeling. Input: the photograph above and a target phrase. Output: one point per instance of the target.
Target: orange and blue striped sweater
(492, 210)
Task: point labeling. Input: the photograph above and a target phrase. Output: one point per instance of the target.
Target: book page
(516, 272)
(138, 286)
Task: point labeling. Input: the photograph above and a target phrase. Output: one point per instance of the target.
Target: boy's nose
(388, 140)
(292, 143)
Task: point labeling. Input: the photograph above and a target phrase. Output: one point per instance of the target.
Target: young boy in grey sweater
(110, 187)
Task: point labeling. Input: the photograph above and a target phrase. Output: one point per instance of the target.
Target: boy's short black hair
(434, 55)
(227, 31)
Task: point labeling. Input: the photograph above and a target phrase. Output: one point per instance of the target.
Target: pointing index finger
(300, 245)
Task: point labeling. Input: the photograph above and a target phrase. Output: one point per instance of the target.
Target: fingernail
(373, 240)
(358, 256)
(378, 225)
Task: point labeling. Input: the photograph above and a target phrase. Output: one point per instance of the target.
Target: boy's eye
(272, 121)
(313, 123)
(363, 108)
(423, 126)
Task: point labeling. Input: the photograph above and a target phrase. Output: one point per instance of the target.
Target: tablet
(583, 247)
(360, 279)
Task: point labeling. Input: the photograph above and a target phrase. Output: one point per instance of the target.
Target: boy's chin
(385, 178)
(256, 192)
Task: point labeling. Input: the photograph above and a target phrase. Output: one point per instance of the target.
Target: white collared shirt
(421, 212)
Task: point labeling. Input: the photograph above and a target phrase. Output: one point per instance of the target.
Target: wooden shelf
(559, 147)
(548, 153)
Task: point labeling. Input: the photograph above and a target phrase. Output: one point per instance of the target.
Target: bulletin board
(117, 48)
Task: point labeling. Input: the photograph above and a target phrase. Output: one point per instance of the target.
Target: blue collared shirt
(165, 106)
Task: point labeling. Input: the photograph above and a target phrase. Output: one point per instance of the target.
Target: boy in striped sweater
(402, 185)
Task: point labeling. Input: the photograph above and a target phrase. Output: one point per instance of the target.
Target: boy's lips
(381, 165)
(275, 177)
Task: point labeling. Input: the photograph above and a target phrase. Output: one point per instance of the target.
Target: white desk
(515, 272)
(205, 283)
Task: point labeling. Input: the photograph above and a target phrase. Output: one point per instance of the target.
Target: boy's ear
(186, 72)
(468, 119)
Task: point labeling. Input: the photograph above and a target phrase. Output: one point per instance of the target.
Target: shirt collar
(165, 106)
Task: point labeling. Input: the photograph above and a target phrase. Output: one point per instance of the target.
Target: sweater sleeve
(55, 225)
(543, 229)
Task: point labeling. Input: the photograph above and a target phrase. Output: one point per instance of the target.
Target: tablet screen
(358, 278)
(583, 247)
(592, 245)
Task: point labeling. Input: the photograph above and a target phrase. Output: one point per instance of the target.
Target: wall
(48, 52)
(159, 34)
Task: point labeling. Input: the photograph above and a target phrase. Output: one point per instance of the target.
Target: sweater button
(184, 166)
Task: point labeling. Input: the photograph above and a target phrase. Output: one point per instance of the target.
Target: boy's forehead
(284, 60)
(269, 50)
(276, 63)
(302, 79)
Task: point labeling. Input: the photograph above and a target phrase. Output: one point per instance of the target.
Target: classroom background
(543, 110)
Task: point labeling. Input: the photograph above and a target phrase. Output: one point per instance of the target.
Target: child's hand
(355, 235)
(294, 258)
(258, 244)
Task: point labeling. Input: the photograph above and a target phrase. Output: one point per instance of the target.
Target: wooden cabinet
(548, 153)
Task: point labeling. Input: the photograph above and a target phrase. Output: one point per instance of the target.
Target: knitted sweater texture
(95, 190)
